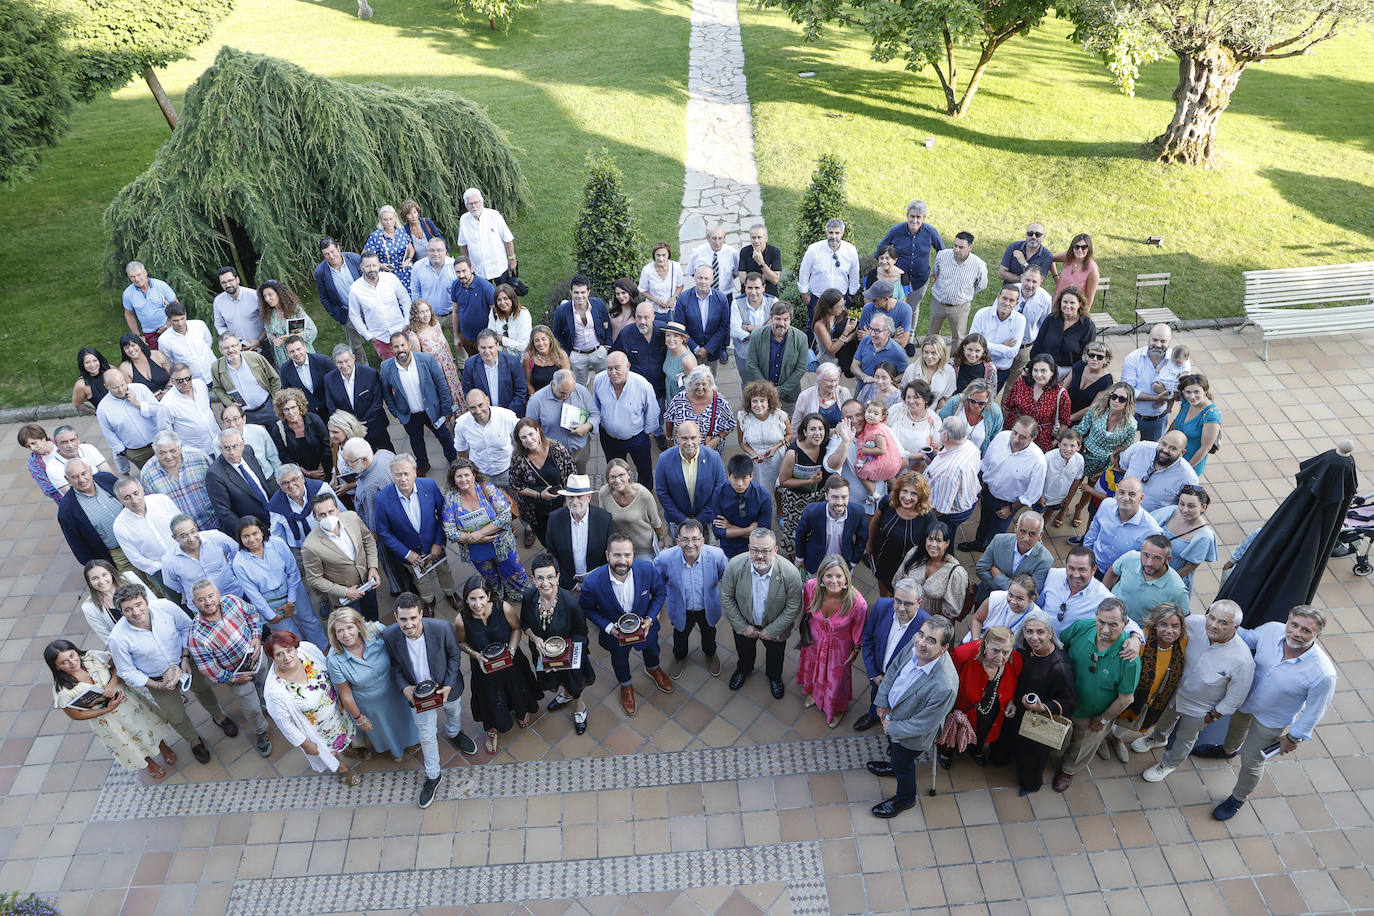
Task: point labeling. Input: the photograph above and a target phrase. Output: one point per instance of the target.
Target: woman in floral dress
(477, 518)
(305, 706)
(837, 612)
(429, 338)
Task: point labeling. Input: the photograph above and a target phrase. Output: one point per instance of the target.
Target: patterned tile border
(798, 865)
(123, 797)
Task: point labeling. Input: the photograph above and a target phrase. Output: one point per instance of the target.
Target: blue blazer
(671, 487)
(433, 389)
(81, 535)
(336, 306)
(393, 525)
(317, 367)
(367, 397)
(715, 336)
(669, 565)
(510, 375)
(563, 323)
(810, 535)
(876, 630)
(601, 608)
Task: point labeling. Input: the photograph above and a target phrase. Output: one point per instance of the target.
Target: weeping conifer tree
(268, 157)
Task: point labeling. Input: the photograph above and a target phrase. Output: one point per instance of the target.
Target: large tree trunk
(1205, 83)
(155, 85)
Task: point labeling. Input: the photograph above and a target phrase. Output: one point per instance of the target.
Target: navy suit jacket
(316, 367)
(510, 375)
(876, 630)
(441, 651)
(563, 323)
(646, 356)
(715, 336)
(811, 535)
(81, 535)
(230, 495)
(367, 397)
(671, 487)
(601, 608)
(333, 303)
(758, 507)
(560, 544)
(433, 389)
(393, 525)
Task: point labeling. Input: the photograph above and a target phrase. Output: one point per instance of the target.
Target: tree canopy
(37, 86)
(268, 157)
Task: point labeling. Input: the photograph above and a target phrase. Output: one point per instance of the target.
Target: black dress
(1051, 678)
(502, 697)
(896, 536)
(158, 378)
(969, 372)
(310, 451)
(1081, 398)
(568, 621)
(541, 377)
(1065, 345)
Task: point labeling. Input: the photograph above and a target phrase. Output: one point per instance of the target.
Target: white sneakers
(1157, 773)
(1145, 743)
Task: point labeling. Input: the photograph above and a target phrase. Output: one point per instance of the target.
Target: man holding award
(623, 600)
(409, 525)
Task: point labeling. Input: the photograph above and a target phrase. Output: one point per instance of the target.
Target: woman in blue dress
(360, 669)
(392, 244)
(1199, 419)
(272, 581)
(477, 518)
(1190, 534)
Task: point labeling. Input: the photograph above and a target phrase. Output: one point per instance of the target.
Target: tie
(715, 268)
(243, 469)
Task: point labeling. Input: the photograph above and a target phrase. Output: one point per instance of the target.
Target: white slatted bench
(1274, 300)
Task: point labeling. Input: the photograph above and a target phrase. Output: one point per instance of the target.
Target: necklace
(989, 701)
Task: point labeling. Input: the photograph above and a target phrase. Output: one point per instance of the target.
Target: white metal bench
(1273, 299)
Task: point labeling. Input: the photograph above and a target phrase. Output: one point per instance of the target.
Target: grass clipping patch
(268, 157)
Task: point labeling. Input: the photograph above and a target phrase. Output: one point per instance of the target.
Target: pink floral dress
(433, 342)
(824, 669)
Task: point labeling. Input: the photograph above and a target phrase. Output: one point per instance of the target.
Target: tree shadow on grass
(1338, 201)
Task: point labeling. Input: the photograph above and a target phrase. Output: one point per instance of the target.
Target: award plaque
(631, 629)
(496, 657)
(557, 653)
(427, 696)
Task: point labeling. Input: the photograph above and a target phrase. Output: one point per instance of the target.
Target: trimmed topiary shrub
(825, 198)
(607, 243)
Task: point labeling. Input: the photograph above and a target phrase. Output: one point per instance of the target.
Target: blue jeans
(989, 524)
(954, 519)
(620, 655)
(428, 724)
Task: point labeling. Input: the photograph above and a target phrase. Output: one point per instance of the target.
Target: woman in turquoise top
(1199, 419)
(1190, 534)
(359, 667)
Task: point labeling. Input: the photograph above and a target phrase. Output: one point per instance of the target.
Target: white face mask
(330, 523)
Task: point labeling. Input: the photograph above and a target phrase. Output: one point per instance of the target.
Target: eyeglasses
(1032, 234)
(1117, 397)
(1080, 248)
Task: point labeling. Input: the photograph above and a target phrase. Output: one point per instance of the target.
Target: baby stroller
(1359, 526)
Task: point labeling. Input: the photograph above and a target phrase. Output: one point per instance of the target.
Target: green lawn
(556, 84)
(1048, 138)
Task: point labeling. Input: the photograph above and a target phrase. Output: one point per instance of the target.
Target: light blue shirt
(493, 373)
(139, 654)
(150, 307)
(254, 395)
(1067, 609)
(760, 604)
(1141, 596)
(124, 425)
(633, 412)
(274, 576)
(869, 358)
(548, 411)
(1138, 372)
(1198, 546)
(1161, 485)
(430, 285)
(343, 282)
(217, 550)
(1109, 537)
(900, 315)
(692, 595)
(1292, 693)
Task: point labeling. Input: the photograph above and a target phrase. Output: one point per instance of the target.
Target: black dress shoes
(737, 679)
(776, 687)
(881, 768)
(866, 721)
(892, 807)
(1212, 751)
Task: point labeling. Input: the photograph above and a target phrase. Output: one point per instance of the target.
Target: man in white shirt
(128, 418)
(956, 277)
(1032, 301)
(1004, 327)
(484, 434)
(185, 410)
(144, 527)
(723, 260)
(1140, 370)
(485, 239)
(1013, 479)
(236, 312)
(188, 340)
(1073, 592)
(831, 263)
(433, 277)
(67, 445)
(378, 305)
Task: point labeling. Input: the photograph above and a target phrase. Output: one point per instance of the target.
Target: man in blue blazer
(511, 390)
(409, 522)
(428, 650)
(333, 277)
(685, 459)
(625, 586)
(306, 371)
(890, 624)
(582, 326)
(417, 394)
(814, 542)
(85, 540)
(357, 388)
(692, 572)
(709, 336)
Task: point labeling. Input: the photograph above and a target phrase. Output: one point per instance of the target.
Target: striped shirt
(187, 488)
(957, 283)
(218, 647)
(953, 475)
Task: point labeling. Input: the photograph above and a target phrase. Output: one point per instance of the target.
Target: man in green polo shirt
(1143, 579)
(1106, 683)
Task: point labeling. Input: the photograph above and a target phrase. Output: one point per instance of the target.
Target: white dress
(914, 435)
(650, 282)
(941, 384)
(761, 435)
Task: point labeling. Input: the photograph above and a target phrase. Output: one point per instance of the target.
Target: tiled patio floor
(707, 800)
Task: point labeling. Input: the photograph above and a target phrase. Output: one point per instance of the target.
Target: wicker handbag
(1051, 731)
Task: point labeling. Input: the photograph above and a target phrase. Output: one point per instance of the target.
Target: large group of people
(249, 549)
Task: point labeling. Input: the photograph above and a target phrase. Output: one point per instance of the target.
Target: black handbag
(512, 276)
(804, 630)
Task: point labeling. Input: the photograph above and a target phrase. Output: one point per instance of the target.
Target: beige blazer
(328, 569)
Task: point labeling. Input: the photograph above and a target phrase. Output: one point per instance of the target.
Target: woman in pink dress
(837, 612)
(1079, 269)
(429, 338)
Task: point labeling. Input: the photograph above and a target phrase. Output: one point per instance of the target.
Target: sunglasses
(182, 381)
(1080, 248)
(1117, 397)
(1194, 490)
(1033, 235)
(1096, 355)
(978, 403)
(1063, 609)
(836, 259)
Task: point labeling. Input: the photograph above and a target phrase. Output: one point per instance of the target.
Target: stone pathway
(722, 181)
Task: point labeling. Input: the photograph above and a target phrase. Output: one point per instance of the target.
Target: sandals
(155, 772)
(170, 756)
(351, 778)
(1057, 521)
(493, 741)
(1077, 518)
(359, 752)
(808, 701)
